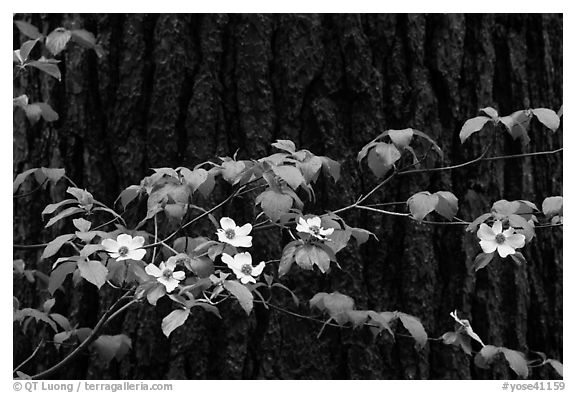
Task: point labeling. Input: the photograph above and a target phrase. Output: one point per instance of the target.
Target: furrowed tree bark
(177, 90)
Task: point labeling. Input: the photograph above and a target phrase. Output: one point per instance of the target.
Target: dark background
(181, 89)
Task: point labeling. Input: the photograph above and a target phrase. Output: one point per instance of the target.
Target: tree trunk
(177, 90)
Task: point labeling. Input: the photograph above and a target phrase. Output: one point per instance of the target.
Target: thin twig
(30, 192)
(29, 357)
(89, 340)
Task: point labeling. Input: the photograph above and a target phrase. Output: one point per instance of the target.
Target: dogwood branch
(107, 317)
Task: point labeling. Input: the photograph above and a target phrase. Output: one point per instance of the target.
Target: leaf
(287, 258)
(473, 227)
(28, 29)
(56, 41)
(290, 175)
(491, 112)
(194, 178)
(414, 326)
(518, 258)
(432, 142)
(19, 179)
(310, 168)
(517, 124)
(63, 214)
(517, 361)
(421, 204)
(54, 246)
(174, 320)
(382, 157)
(335, 304)
(473, 125)
(482, 260)
(383, 320)
(285, 145)
(61, 320)
(242, 293)
(357, 317)
(128, 195)
(33, 112)
(361, 235)
(47, 67)
(26, 48)
(552, 206)
(558, 367)
(331, 167)
(93, 272)
(52, 174)
(87, 40)
(309, 255)
(59, 274)
(401, 138)
(274, 203)
(547, 117)
(48, 114)
(48, 304)
(110, 347)
(486, 356)
(447, 205)
(81, 224)
(231, 170)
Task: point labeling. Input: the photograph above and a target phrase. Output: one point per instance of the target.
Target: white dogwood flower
(125, 247)
(165, 274)
(242, 267)
(234, 235)
(492, 239)
(313, 226)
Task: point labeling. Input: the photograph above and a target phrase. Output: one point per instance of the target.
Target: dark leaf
(28, 29)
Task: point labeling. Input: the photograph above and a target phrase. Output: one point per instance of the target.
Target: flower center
(246, 269)
(315, 229)
(123, 251)
(500, 238)
(229, 233)
(167, 273)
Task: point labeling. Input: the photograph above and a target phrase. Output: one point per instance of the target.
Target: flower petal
(227, 223)
(327, 231)
(137, 242)
(136, 254)
(244, 241)
(222, 236)
(509, 232)
(124, 240)
(243, 258)
(497, 227)
(169, 283)
(247, 279)
(302, 222)
(114, 255)
(153, 270)
(257, 270)
(302, 228)
(504, 250)
(315, 222)
(228, 260)
(485, 233)
(488, 246)
(110, 245)
(516, 241)
(179, 275)
(171, 264)
(244, 230)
